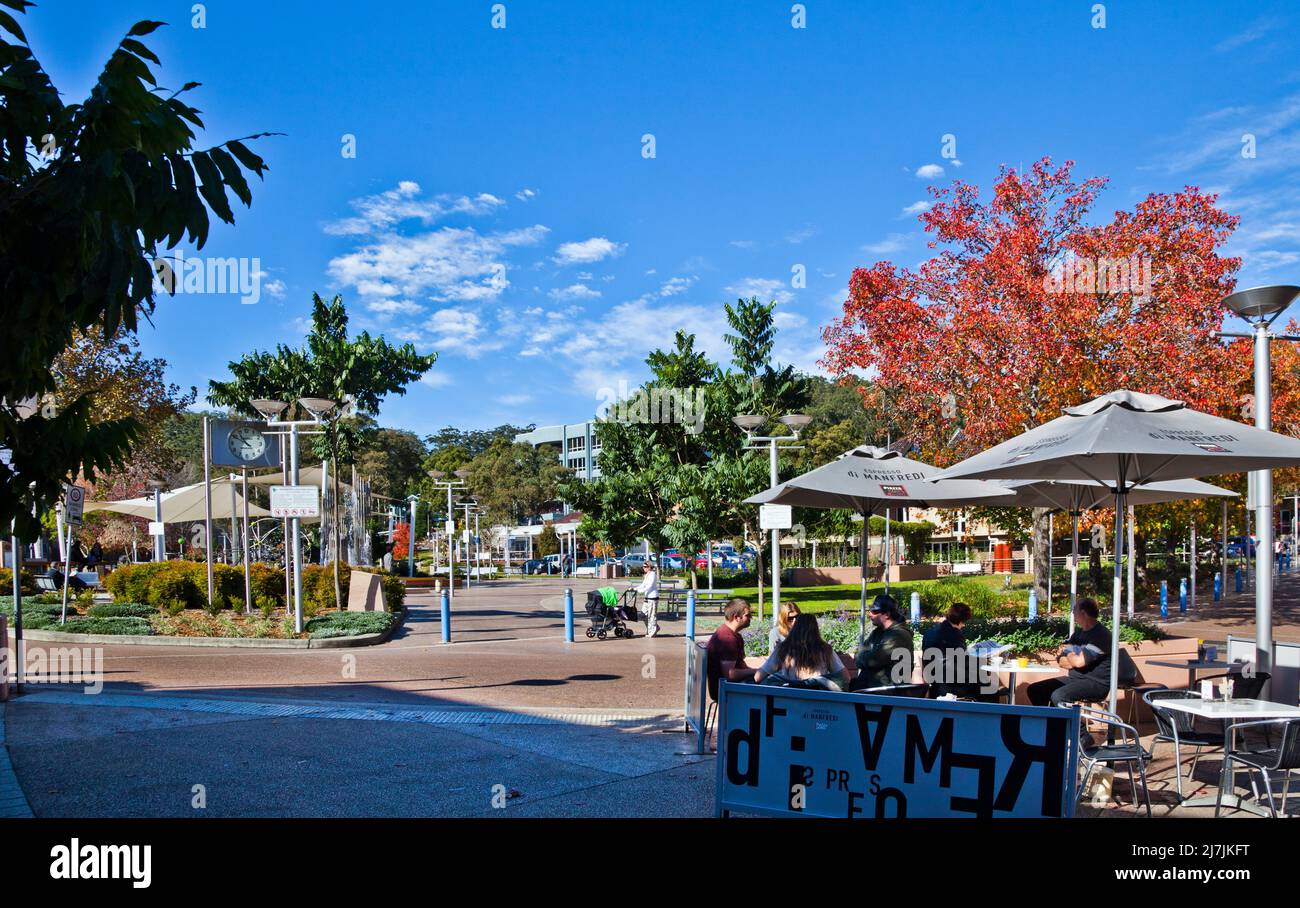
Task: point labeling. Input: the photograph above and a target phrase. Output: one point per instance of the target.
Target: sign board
(789, 752)
(775, 516)
(74, 504)
(157, 528)
(697, 692)
(450, 527)
(244, 444)
(295, 501)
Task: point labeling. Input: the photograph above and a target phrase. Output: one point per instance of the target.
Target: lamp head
(1261, 303)
(318, 407)
(796, 421)
(462, 474)
(271, 409)
(748, 422)
(436, 474)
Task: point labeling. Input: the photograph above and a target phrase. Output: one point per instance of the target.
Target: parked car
(671, 561)
(1241, 546)
(635, 562)
(534, 566)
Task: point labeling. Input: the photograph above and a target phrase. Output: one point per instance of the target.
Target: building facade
(575, 444)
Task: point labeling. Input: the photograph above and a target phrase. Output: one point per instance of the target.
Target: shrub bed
(117, 626)
(121, 610)
(349, 624)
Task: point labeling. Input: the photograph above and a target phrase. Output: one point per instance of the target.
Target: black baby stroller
(605, 617)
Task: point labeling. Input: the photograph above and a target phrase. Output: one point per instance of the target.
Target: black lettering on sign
(871, 743)
(837, 778)
(801, 777)
(891, 794)
(854, 809)
(750, 739)
(982, 804)
(772, 711)
(1050, 754)
(940, 750)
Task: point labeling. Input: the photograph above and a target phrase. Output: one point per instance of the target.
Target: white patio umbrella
(1123, 439)
(867, 479)
(1077, 497)
(182, 505)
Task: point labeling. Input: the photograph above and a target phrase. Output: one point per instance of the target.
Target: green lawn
(846, 595)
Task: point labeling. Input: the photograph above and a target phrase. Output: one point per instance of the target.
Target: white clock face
(247, 443)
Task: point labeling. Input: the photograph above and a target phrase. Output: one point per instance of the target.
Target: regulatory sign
(74, 503)
(450, 528)
(295, 501)
(790, 752)
(157, 528)
(775, 516)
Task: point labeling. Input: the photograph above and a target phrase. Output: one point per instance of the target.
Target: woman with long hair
(781, 629)
(804, 659)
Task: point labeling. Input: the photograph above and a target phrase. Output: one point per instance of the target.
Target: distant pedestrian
(77, 558)
(649, 591)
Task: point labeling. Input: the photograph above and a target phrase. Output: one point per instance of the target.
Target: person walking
(649, 591)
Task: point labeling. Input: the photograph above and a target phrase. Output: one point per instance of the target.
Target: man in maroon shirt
(726, 648)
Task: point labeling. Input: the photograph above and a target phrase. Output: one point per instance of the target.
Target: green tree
(89, 192)
(548, 541)
(511, 480)
(393, 460)
(356, 373)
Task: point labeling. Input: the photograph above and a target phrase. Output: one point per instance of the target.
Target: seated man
(75, 583)
(946, 665)
(1086, 655)
(885, 657)
(726, 648)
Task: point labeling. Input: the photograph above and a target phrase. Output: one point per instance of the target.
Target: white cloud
(275, 287)
(1257, 30)
(892, 243)
(743, 244)
(675, 285)
(394, 307)
(448, 264)
(929, 172)
(762, 287)
(459, 331)
(526, 195)
(514, 400)
(917, 207)
(798, 236)
(573, 292)
(435, 379)
(378, 213)
(588, 251)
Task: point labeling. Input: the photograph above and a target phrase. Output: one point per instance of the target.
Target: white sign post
(74, 505)
(775, 516)
(295, 501)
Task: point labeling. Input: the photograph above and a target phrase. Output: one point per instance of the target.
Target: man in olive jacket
(885, 657)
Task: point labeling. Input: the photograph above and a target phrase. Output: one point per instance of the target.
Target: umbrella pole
(1115, 595)
(862, 603)
(888, 550)
(1074, 564)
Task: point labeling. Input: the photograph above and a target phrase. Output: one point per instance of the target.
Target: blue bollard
(1164, 600)
(446, 617)
(1218, 586)
(568, 616)
(1182, 595)
(916, 609)
(1033, 605)
(1239, 580)
(690, 614)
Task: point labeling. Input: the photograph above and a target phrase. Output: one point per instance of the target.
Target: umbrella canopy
(183, 505)
(1082, 496)
(307, 476)
(1125, 438)
(1133, 438)
(867, 479)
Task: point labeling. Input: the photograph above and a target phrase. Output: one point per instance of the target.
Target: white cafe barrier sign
(786, 752)
(775, 516)
(295, 501)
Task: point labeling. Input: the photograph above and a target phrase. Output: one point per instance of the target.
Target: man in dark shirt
(726, 648)
(885, 657)
(1087, 656)
(946, 666)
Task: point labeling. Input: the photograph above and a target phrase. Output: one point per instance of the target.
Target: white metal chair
(1123, 746)
(1284, 757)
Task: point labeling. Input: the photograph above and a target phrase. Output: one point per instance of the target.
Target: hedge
(116, 626)
(348, 624)
(121, 610)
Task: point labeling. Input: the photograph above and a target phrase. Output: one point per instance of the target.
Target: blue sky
(500, 211)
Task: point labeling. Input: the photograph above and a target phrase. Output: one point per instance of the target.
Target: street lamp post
(271, 411)
(1261, 306)
(159, 542)
(410, 547)
(749, 423)
(449, 484)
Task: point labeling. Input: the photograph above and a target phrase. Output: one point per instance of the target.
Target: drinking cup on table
(1207, 690)
(1023, 663)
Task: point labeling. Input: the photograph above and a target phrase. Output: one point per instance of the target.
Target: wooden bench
(673, 600)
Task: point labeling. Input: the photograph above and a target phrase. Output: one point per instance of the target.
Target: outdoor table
(1012, 668)
(1193, 666)
(1229, 712)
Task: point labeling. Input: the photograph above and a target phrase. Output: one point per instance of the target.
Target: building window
(578, 463)
(578, 443)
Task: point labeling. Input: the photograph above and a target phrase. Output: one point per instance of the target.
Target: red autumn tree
(1031, 304)
(401, 541)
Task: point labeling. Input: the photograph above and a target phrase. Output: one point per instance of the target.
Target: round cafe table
(1012, 669)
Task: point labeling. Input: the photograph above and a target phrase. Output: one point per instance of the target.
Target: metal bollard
(1239, 580)
(690, 614)
(1033, 605)
(568, 616)
(1182, 595)
(1164, 600)
(1218, 586)
(446, 617)
(916, 609)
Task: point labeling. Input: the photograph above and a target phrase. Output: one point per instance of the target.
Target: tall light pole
(1261, 306)
(271, 411)
(794, 422)
(159, 541)
(441, 483)
(410, 539)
